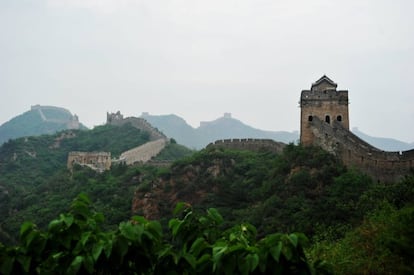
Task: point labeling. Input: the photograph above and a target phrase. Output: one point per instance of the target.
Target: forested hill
(44, 154)
(36, 185)
(303, 189)
(39, 120)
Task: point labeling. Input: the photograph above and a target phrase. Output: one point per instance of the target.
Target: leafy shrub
(196, 244)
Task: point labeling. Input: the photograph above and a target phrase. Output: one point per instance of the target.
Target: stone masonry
(324, 102)
(137, 122)
(143, 153)
(325, 123)
(98, 161)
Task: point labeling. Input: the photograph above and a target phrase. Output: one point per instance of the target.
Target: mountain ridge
(50, 119)
(209, 131)
(227, 127)
(39, 120)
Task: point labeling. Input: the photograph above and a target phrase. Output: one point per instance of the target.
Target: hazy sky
(201, 58)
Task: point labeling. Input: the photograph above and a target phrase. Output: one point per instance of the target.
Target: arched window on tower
(327, 119)
(339, 118)
(310, 118)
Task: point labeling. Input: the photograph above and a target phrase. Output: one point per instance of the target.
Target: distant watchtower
(324, 102)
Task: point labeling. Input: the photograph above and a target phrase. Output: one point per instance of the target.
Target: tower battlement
(325, 123)
(325, 102)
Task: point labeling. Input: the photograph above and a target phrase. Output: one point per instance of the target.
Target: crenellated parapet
(353, 151)
(118, 119)
(249, 144)
(325, 123)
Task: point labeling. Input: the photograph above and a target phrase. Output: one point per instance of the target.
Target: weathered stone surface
(137, 122)
(324, 102)
(143, 153)
(98, 161)
(334, 136)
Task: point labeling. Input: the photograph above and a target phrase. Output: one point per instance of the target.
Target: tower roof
(328, 83)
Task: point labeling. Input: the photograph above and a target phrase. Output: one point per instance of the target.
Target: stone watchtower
(324, 102)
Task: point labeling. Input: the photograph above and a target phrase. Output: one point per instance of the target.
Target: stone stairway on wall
(143, 153)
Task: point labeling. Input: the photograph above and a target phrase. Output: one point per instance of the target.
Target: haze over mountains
(39, 120)
(222, 128)
(49, 119)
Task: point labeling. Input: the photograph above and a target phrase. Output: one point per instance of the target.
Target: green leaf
(82, 197)
(179, 208)
(190, 259)
(215, 215)
(174, 225)
(203, 259)
(130, 231)
(67, 219)
(25, 228)
(198, 245)
(99, 217)
(154, 228)
(108, 248)
(25, 262)
(54, 226)
(75, 265)
(88, 263)
(140, 219)
(30, 237)
(275, 251)
(293, 239)
(287, 251)
(84, 238)
(218, 251)
(167, 250)
(253, 261)
(97, 250)
(57, 256)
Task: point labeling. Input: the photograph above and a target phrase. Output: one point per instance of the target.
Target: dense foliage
(303, 189)
(36, 185)
(76, 244)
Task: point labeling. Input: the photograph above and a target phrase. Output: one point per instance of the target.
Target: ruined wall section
(98, 161)
(249, 144)
(353, 151)
(137, 122)
(71, 123)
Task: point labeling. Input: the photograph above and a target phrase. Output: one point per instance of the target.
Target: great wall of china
(98, 161)
(381, 165)
(324, 122)
(72, 123)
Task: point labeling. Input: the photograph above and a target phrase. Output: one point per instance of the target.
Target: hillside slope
(302, 189)
(36, 185)
(39, 120)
